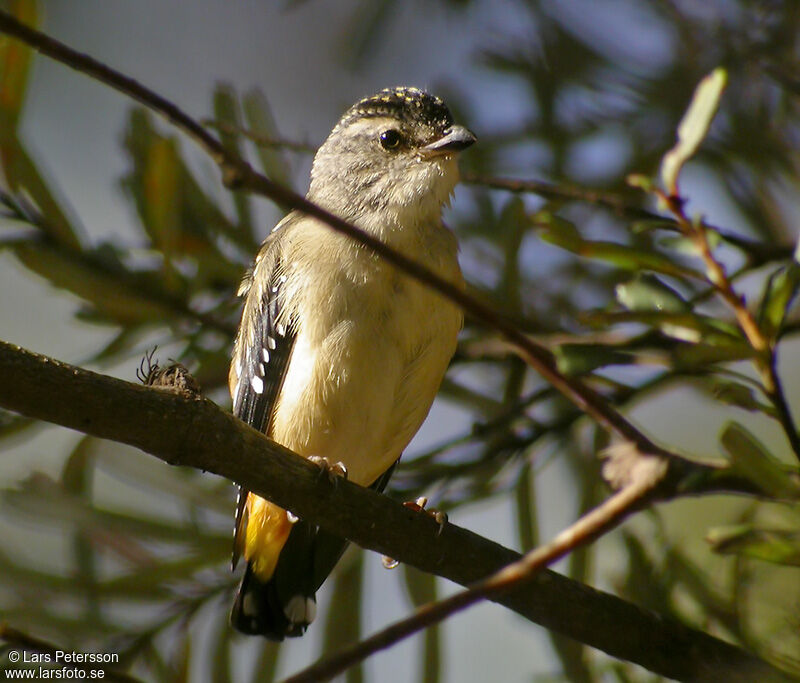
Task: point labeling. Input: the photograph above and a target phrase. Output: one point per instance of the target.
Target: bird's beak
(456, 139)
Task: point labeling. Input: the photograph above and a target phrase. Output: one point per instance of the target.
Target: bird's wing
(261, 352)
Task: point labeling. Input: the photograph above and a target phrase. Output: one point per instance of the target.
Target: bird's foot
(419, 504)
(333, 471)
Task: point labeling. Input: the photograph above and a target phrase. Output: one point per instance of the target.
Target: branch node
(624, 464)
(233, 175)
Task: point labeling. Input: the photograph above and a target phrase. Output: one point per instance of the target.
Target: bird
(339, 355)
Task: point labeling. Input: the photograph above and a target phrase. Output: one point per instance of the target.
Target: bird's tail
(259, 609)
(276, 598)
(284, 604)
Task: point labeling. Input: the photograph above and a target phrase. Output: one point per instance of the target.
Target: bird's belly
(359, 385)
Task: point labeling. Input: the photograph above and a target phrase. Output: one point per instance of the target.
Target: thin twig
(20, 211)
(612, 512)
(238, 174)
(24, 641)
(765, 360)
(261, 140)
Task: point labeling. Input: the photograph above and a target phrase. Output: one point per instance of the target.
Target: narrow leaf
(261, 122)
(648, 293)
(779, 295)
(576, 359)
(343, 625)
(752, 460)
(780, 546)
(693, 127)
(563, 234)
(739, 395)
(227, 114)
(267, 663)
(421, 587)
(15, 61)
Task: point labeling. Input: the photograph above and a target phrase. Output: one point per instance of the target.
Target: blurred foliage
(613, 288)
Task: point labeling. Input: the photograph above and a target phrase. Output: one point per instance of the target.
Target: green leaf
(18, 575)
(689, 327)
(741, 396)
(162, 201)
(343, 624)
(15, 62)
(524, 498)
(227, 114)
(421, 587)
(514, 222)
(219, 656)
(153, 581)
(576, 359)
(12, 424)
(261, 122)
(558, 231)
(77, 479)
(702, 355)
(24, 179)
(114, 294)
(183, 660)
(564, 234)
(693, 127)
(126, 464)
(779, 546)
(779, 294)
(45, 501)
(750, 459)
(691, 577)
(640, 181)
(77, 473)
(648, 293)
(198, 219)
(267, 663)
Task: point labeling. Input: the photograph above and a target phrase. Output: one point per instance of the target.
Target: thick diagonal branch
(196, 433)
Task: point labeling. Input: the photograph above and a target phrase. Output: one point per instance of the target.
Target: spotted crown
(409, 105)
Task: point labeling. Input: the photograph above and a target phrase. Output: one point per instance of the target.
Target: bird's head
(392, 154)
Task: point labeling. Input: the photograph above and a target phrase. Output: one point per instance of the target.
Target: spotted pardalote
(339, 354)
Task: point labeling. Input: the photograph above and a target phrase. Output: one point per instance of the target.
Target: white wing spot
(265, 355)
(257, 384)
(261, 369)
(270, 342)
(280, 329)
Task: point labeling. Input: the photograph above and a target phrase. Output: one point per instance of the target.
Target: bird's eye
(390, 139)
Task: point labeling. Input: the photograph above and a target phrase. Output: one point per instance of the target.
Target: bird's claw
(419, 504)
(334, 471)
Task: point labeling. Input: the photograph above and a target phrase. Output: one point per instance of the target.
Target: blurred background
(117, 236)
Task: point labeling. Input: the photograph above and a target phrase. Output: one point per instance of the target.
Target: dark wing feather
(261, 352)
